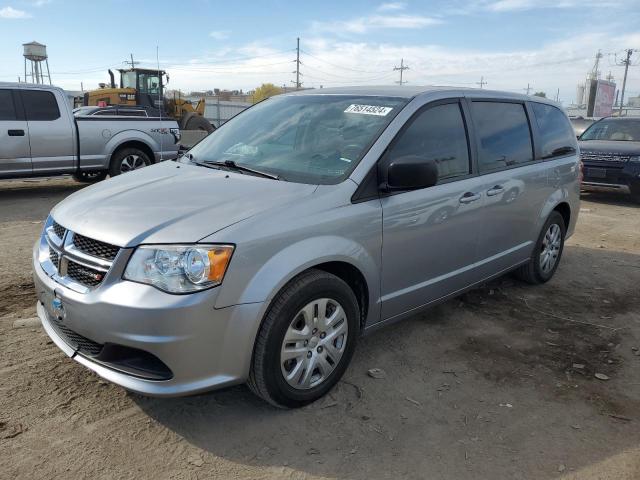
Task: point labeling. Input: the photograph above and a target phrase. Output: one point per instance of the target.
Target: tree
(265, 90)
(540, 94)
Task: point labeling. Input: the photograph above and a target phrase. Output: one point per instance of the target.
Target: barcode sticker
(368, 110)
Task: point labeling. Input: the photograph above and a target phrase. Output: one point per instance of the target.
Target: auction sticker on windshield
(368, 110)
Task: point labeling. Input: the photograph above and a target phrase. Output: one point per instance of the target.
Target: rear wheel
(127, 160)
(635, 193)
(89, 177)
(306, 340)
(547, 252)
(198, 122)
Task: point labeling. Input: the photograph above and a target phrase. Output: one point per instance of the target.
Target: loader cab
(147, 84)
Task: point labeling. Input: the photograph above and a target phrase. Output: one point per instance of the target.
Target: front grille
(54, 257)
(83, 344)
(59, 230)
(604, 157)
(84, 275)
(95, 248)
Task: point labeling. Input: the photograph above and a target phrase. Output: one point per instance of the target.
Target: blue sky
(548, 44)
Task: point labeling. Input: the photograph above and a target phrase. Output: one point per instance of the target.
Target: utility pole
(528, 89)
(297, 82)
(132, 63)
(626, 62)
(481, 82)
(558, 95)
(401, 68)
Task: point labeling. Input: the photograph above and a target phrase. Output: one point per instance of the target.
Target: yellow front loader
(145, 88)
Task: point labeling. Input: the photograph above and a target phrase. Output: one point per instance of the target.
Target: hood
(171, 203)
(610, 147)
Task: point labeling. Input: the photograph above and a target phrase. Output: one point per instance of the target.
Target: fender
(130, 136)
(274, 274)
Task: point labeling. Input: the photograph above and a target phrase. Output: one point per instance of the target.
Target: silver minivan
(263, 254)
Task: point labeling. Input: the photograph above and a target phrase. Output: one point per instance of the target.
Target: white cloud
(520, 5)
(10, 13)
(392, 6)
(219, 34)
(41, 3)
(373, 22)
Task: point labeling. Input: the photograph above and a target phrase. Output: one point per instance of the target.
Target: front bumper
(606, 176)
(203, 348)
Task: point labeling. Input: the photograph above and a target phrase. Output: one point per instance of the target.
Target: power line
(343, 67)
(401, 68)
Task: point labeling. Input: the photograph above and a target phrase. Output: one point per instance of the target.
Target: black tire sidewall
(556, 218)
(119, 156)
(278, 387)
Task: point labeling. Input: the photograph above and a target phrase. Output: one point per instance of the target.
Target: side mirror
(411, 172)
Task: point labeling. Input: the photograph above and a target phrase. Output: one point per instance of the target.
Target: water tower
(36, 55)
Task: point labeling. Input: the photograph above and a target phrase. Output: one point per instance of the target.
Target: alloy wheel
(550, 248)
(131, 162)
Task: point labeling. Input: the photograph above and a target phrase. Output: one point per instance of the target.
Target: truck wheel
(547, 252)
(90, 177)
(126, 160)
(306, 341)
(198, 122)
(635, 193)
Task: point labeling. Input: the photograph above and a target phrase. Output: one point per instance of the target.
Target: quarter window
(504, 138)
(7, 108)
(40, 105)
(556, 134)
(437, 134)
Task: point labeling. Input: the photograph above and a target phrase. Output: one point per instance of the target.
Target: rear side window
(132, 113)
(40, 105)
(437, 134)
(504, 137)
(7, 108)
(556, 134)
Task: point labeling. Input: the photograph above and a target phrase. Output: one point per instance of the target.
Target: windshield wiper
(230, 164)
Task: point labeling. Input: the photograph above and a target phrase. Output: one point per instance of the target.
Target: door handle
(16, 133)
(496, 190)
(469, 197)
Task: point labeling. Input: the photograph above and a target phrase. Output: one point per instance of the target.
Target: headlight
(179, 268)
(635, 159)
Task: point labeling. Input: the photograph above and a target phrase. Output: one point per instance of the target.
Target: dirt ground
(499, 383)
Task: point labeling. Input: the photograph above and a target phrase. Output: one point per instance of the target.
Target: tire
(126, 160)
(534, 272)
(635, 193)
(90, 177)
(323, 349)
(198, 122)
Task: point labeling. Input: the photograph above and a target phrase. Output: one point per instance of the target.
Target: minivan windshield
(627, 130)
(316, 139)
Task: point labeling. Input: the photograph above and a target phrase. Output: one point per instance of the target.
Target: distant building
(634, 102)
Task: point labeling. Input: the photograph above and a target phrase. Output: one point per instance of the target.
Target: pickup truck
(40, 136)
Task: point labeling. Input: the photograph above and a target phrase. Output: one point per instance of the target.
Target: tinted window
(620, 130)
(503, 135)
(40, 105)
(556, 133)
(436, 134)
(7, 109)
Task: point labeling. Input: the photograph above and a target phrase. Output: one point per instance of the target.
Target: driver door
(430, 235)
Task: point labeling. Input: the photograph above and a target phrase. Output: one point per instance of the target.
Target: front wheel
(547, 252)
(306, 341)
